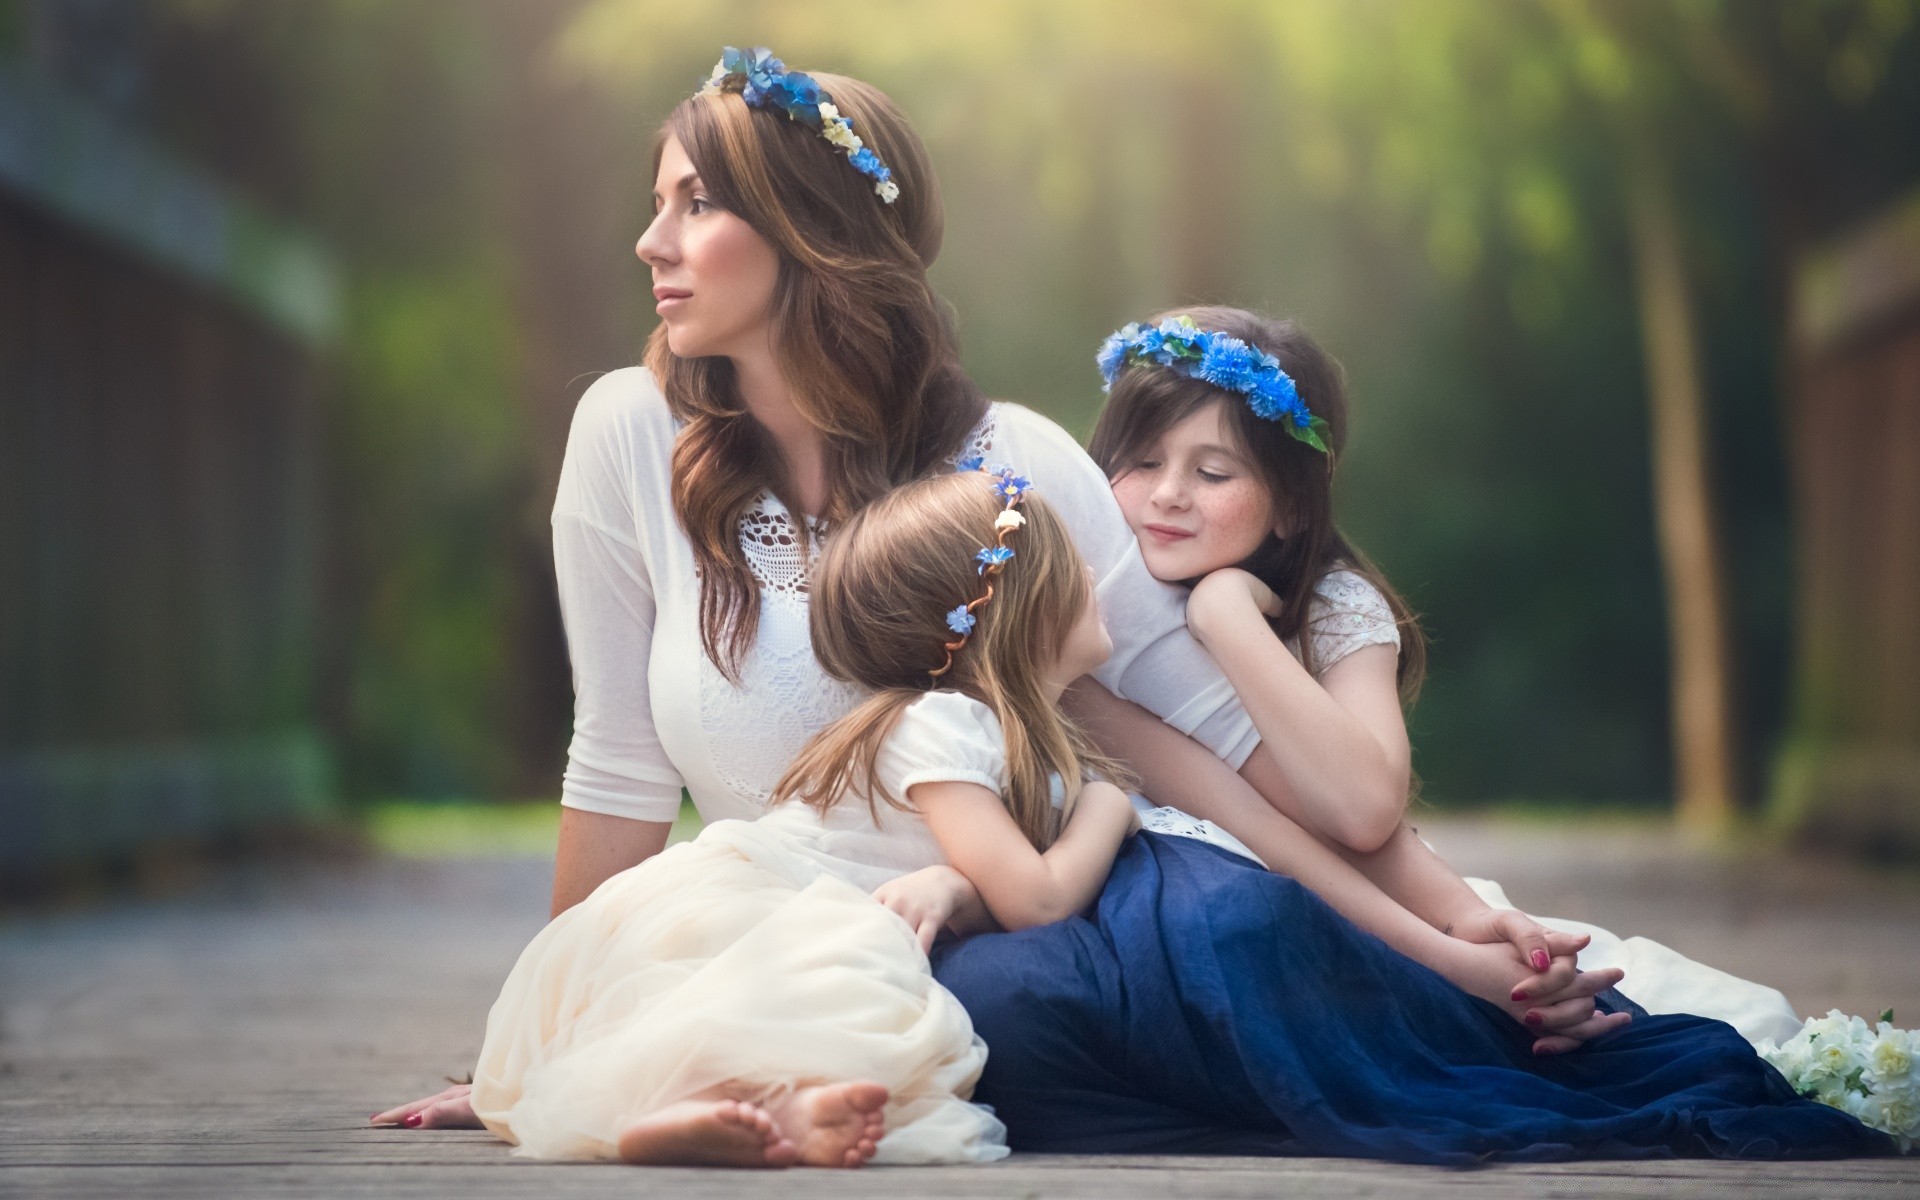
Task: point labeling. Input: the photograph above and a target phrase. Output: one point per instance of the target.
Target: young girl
(743, 999)
(1220, 438)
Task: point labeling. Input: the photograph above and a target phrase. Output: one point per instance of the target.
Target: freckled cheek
(1131, 493)
(1236, 521)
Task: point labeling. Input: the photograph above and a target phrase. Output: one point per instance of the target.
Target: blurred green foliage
(1432, 186)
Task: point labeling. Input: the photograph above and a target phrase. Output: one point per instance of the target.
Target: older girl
(1223, 466)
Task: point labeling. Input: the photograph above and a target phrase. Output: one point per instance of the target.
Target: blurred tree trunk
(1690, 530)
(572, 183)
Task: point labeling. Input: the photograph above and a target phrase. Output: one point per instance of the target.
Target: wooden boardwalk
(230, 1040)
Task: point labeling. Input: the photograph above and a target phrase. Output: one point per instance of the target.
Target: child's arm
(1333, 752)
(1020, 886)
(936, 898)
(1174, 769)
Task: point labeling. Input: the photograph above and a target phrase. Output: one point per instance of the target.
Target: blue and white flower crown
(1012, 488)
(766, 83)
(1221, 360)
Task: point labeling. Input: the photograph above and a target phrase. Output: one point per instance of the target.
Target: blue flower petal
(960, 621)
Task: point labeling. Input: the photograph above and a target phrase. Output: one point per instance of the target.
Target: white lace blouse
(653, 714)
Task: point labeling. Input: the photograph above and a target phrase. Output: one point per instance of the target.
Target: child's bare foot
(835, 1124)
(707, 1133)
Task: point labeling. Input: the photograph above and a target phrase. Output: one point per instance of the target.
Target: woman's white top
(653, 714)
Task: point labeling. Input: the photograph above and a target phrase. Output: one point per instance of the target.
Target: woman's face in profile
(713, 275)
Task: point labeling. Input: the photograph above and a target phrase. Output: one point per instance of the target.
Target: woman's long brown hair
(1148, 400)
(866, 346)
(881, 591)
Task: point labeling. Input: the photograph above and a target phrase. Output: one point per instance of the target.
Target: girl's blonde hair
(880, 593)
(866, 346)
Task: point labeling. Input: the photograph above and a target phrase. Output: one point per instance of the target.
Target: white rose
(1889, 1060)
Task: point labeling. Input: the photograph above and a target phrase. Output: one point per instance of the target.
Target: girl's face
(713, 276)
(1193, 500)
(1087, 644)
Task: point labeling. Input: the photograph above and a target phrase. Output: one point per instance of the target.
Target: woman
(804, 366)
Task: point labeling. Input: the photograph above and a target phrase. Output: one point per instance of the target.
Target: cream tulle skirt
(728, 959)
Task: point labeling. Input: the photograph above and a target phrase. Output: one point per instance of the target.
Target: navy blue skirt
(1207, 1006)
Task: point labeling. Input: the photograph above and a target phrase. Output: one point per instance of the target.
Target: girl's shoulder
(1348, 613)
(944, 736)
(619, 450)
(1345, 590)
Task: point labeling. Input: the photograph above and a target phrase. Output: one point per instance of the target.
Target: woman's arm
(1175, 770)
(594, 847)
(621, 792)
(1333, 752)
(1020, 886)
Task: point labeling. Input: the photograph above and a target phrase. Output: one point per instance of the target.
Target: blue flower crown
(1011, 488)
(1221, 360)
(768, 84)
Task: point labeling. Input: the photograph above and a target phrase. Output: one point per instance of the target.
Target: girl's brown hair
(862, 340)
(1147, 400)
(880, 594)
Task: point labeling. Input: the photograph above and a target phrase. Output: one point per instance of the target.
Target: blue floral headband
(1013, 489)
(768, 84)
(1221, 360)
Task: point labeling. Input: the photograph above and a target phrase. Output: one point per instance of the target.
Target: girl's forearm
(1404, 869)
(1316, 762)
(1176, 770)
(1418, 879)
(1078, 862)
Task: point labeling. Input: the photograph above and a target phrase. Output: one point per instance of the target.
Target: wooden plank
(229, 1041)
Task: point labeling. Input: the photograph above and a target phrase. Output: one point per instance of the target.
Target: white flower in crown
(888, 191)
(1009, 519)
(841, 134)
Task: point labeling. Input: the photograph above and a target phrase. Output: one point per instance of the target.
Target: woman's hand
(1226, 595)
(451, 1109)
(926, 899)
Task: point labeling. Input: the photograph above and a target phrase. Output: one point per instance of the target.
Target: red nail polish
(1519, 995)
(1540, 960)
(412, 1122)
(1534, 1019)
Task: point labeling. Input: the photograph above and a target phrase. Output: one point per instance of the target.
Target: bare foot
(707, 1133)
(835, 1124)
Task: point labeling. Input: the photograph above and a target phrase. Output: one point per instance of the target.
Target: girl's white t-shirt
(941, 737)
(652, 714)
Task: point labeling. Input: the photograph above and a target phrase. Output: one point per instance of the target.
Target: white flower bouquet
(1868, 1071)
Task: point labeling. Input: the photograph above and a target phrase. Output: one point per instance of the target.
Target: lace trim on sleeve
(1348, 614)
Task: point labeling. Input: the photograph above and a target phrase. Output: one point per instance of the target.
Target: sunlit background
(296, 299)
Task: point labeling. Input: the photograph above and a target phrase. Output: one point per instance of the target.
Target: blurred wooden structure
(160, 367)
(1850, 774)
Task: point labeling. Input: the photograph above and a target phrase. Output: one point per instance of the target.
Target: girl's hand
(1561, 1021)
(1226, 594)
(451, 1109)
(925, 899)
(1537, 945)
